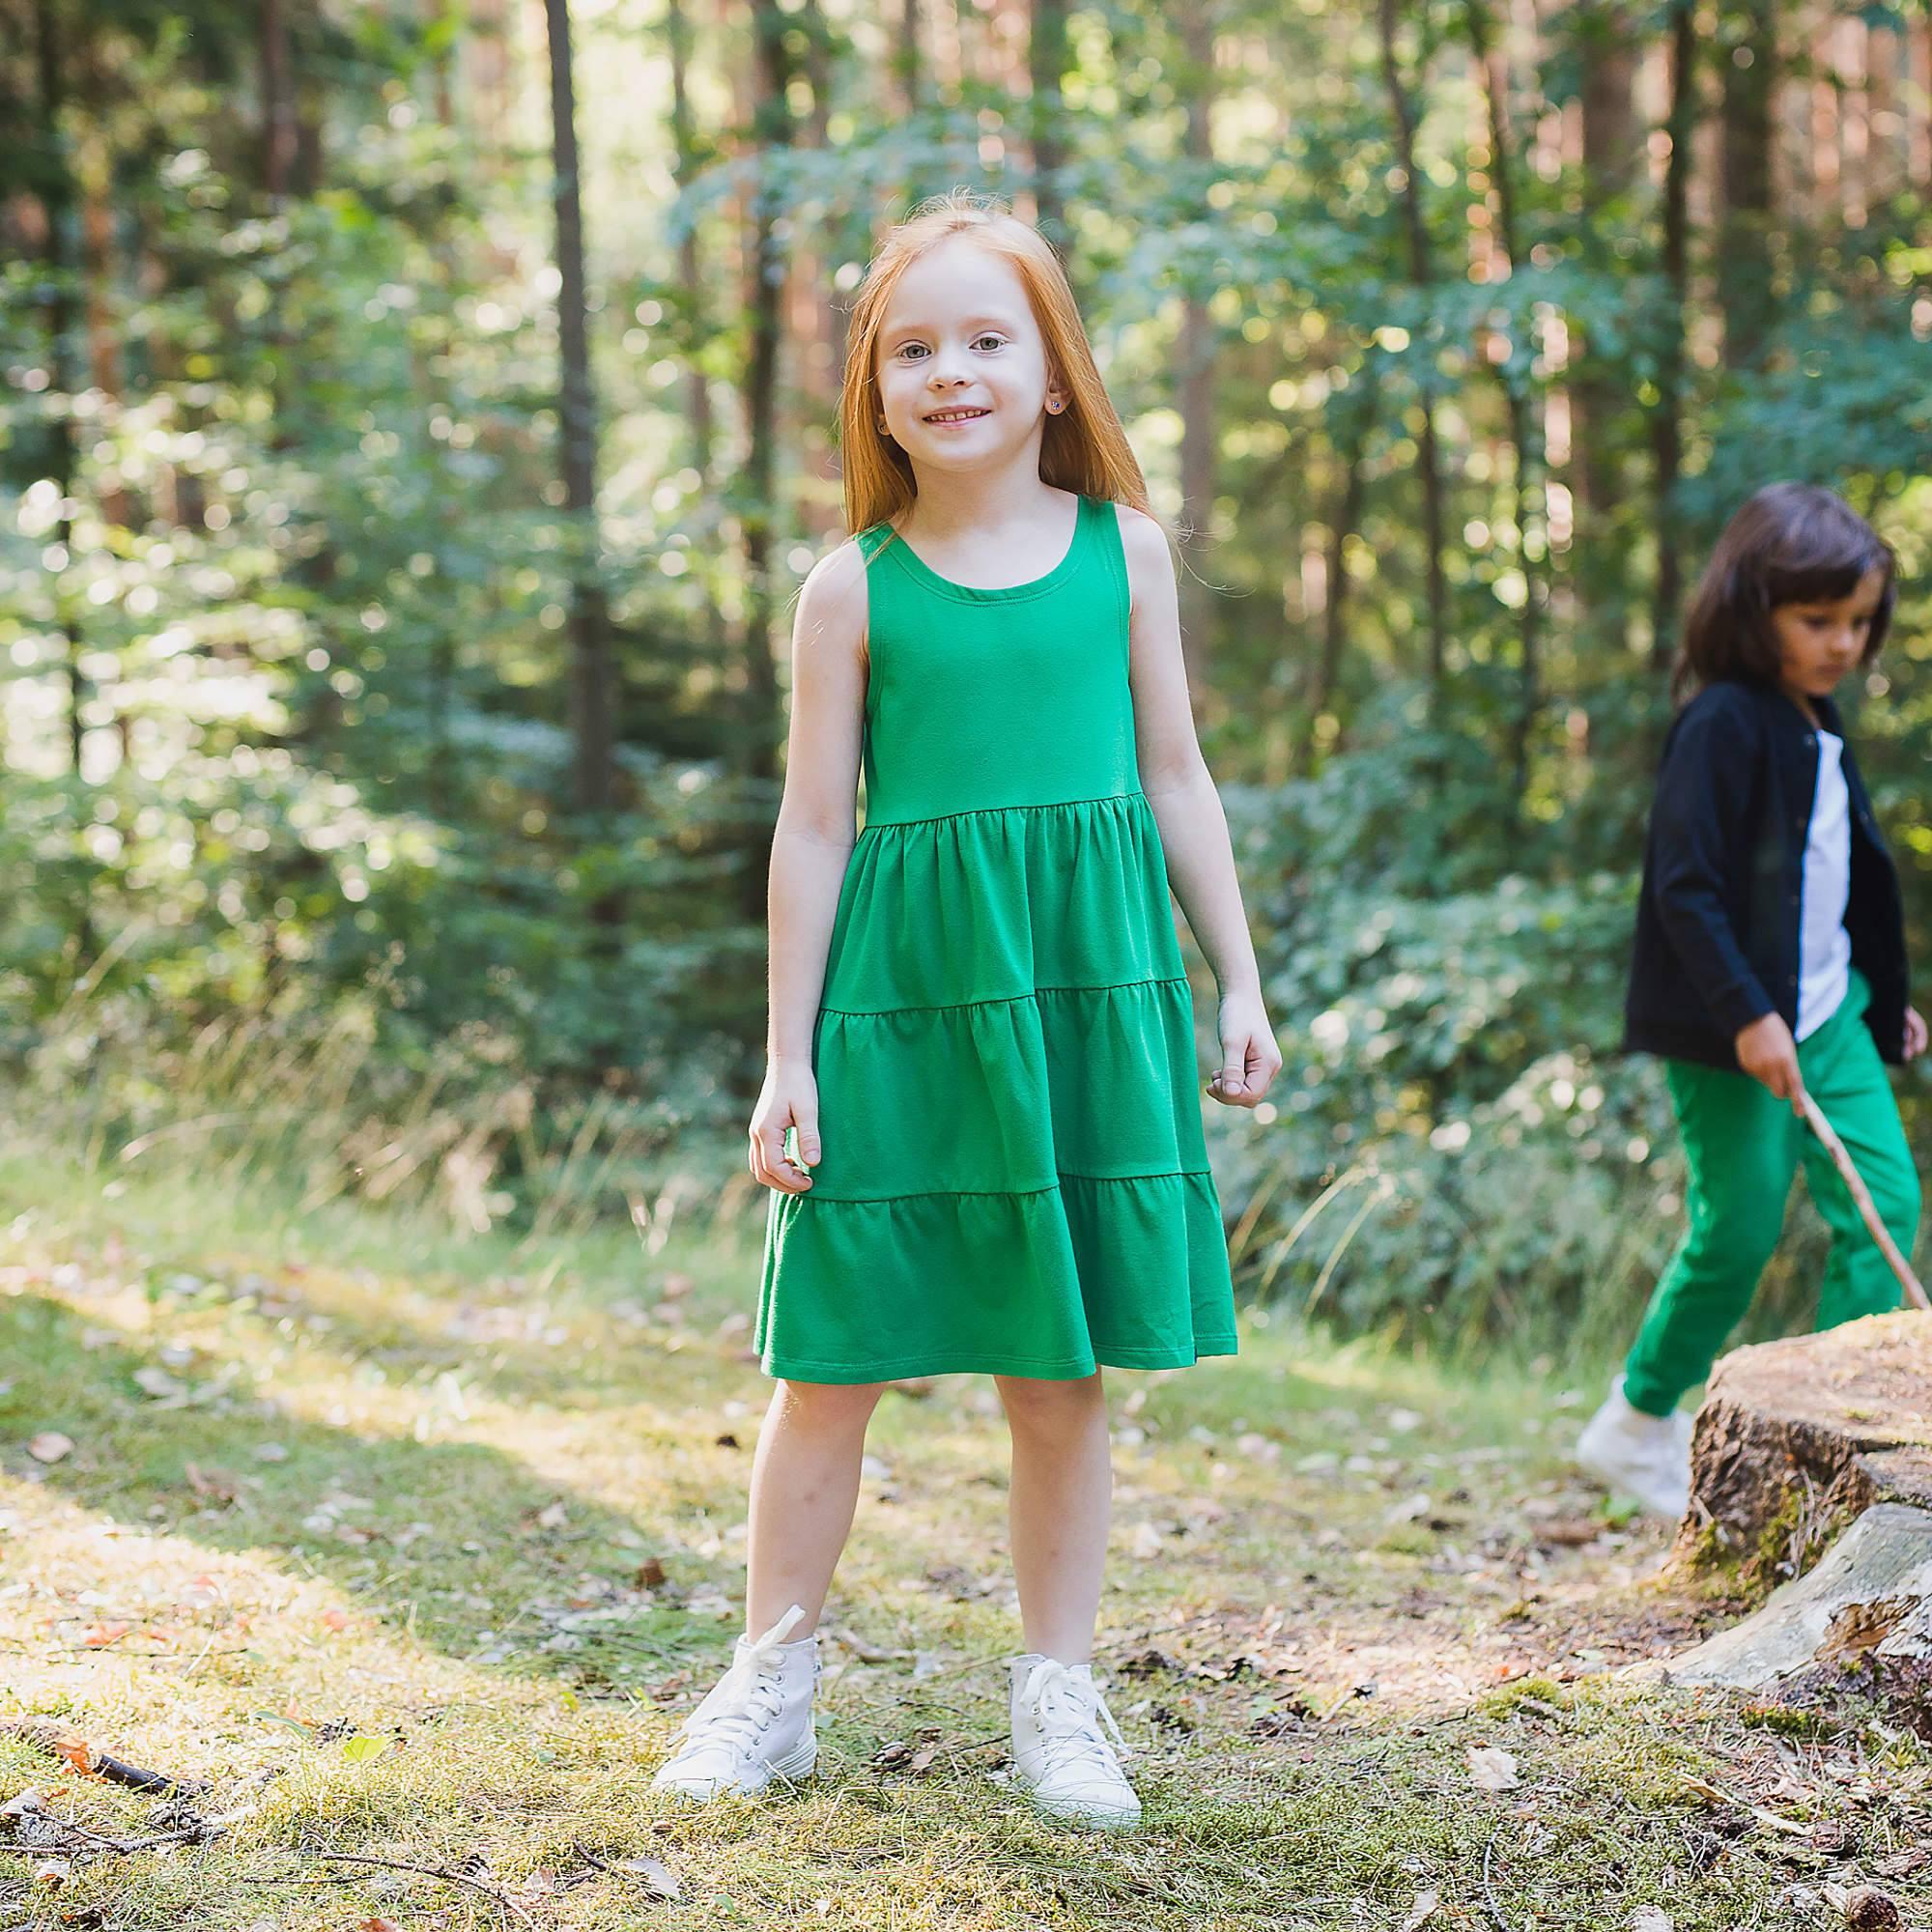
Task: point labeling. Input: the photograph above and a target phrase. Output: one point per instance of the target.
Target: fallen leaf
(378, 1925)
(650, 1575)
(654, 1875)
(1422, 1911)
(552, 1516)
(1491, 1770)
(360, 1749)
(98, 1636)
(75, 1753)
(1650, 1919)
(22, 1802)
(158, 1383)
(214, 1483)
(271, 1452)
(335, 1620)
(49, 1446)
(53, 1873)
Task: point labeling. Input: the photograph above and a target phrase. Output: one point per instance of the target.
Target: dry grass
(340, 1475)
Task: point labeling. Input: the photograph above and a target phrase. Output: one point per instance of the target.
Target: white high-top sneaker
(756, 1723)
(1634, 1454)
(1059, 1753)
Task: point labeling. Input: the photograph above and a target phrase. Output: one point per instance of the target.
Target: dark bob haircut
(1792, 543)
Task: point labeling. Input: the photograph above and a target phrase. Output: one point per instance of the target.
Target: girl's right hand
(789, 1099)
(1767, 1052)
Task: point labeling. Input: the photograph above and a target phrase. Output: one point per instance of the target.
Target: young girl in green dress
(981, 1040)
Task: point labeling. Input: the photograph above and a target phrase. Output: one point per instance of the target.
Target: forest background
(416, 420)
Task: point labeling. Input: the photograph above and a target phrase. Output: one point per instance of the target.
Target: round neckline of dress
(997, 593)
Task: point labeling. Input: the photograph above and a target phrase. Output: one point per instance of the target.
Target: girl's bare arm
(1187, 809)
(810, 845)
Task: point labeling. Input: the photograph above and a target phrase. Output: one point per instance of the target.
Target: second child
(1770, 961)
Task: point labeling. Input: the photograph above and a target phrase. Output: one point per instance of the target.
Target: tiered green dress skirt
(1013, 1176)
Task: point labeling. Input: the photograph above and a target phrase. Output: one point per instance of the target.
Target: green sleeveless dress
(1013, 1176)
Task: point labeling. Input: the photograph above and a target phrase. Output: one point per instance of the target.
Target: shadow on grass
(448, 1538)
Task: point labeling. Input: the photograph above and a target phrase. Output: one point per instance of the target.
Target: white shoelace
(747, 1697)
(1068, 1708)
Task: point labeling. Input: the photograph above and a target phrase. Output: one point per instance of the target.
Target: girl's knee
(828, 1404)
(1031, 1402)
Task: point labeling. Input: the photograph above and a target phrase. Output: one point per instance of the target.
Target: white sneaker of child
(1060, 1755)
(756, 1723)
(1637, 1455)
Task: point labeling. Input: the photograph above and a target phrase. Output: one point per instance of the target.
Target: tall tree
(592, 685)
(1199, 427)
(772, 133)
(280, 127)
(908, 59)
(1750, 51)
(1046, 62)
(1606, 44)
(1666, 418)
(1514, 372)
(686, 156)
(57, 198)
(1351, 417)
(1421, 272)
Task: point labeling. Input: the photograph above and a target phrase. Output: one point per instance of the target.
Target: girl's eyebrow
(990, 319)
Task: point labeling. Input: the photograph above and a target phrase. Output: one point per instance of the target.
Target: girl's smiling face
(962, 369)
(1823, 637)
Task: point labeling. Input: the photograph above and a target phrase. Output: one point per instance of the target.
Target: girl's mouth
(946, 418)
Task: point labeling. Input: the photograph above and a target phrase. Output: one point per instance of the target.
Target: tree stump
(1868, 1603)
(1798, 1438)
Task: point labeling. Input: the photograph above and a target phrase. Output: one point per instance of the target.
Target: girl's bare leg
(1062, 1490)
(804, 1486)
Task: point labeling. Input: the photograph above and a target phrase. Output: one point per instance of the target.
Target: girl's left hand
(1249, 1057)
(1915, 1033)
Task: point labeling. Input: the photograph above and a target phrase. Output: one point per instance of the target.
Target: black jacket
(1717, 920)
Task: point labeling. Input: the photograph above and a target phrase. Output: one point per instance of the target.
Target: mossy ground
(417, 1546)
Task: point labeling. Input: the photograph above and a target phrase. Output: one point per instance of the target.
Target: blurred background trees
(416, 420)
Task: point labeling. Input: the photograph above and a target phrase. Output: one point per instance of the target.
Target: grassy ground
(417, 1549)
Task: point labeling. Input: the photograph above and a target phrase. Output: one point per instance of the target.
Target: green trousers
(1743, 1146)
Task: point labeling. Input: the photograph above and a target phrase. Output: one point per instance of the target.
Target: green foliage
(304, 609)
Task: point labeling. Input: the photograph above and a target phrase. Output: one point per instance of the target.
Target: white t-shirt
(1824, 945)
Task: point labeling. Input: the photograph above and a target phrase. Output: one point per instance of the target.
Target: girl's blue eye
(996, 340)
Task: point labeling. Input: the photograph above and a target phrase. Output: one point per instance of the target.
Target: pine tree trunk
(1516, 377)
(57, 204)
(1610, 148)
(592, 685)
(1421, 274)
(908, 62)
(690, 258)
(1666, 422)
(1200, 429)
(1350, 435)
(280, 131)
(1744, 249)
(1046, 60)
(773, 129)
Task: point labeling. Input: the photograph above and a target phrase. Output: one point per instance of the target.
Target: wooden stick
(1861, 1194)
